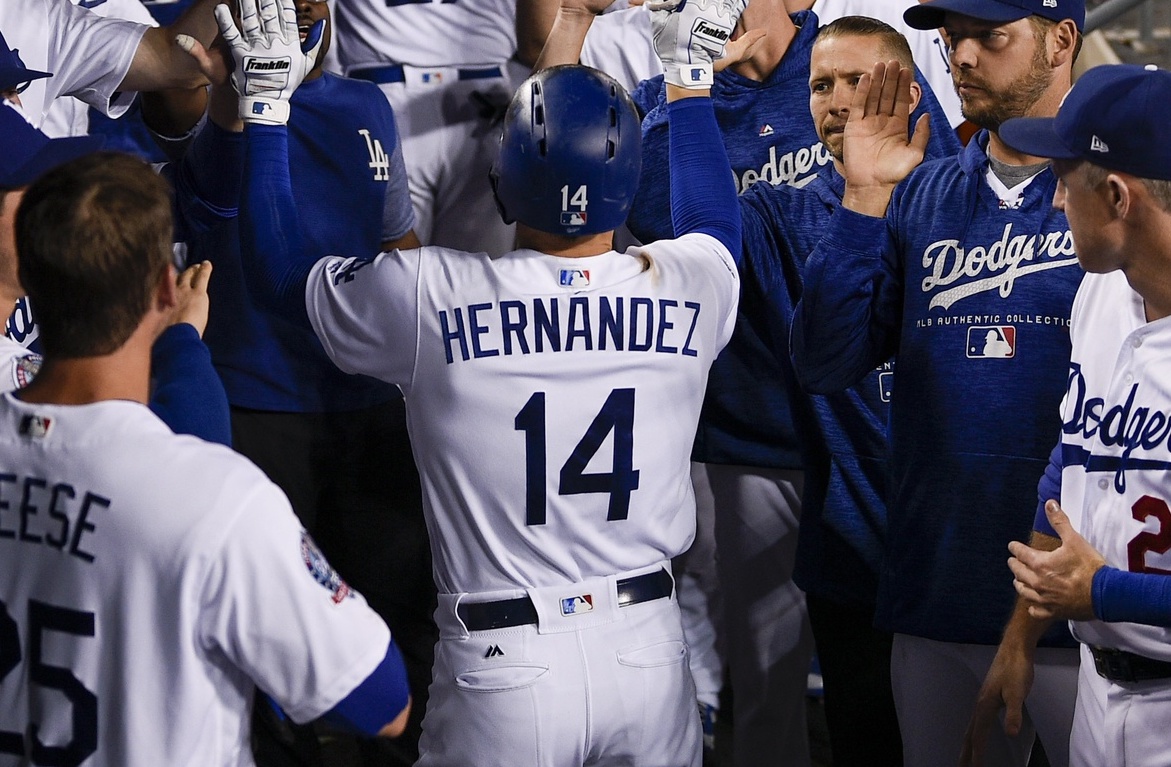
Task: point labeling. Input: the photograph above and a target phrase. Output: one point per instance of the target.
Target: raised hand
(691, 34)
(191, 302)
(269, 57)
(879, 151)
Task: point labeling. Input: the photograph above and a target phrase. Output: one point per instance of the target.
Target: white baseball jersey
(619, 44)
(927, 46)
(1116, 445)
(146, 581)
(426, 33)
(552, 402)
(88, 55)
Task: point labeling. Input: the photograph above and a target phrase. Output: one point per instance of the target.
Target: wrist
(698, 76)
(870, 200)
(264, 111)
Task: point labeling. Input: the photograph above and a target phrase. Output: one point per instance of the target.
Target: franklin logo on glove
(717, 35)
(266, 65)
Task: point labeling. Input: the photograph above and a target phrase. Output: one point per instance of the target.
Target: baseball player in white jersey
(1115, 449)
(147, 580)
(443, 65)
(552, 395)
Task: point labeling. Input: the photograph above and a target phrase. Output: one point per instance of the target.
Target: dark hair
(93, 238)
(894, 45)
(1041, 27)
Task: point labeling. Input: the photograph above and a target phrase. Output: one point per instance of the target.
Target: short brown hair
(1159, 189)
(93, 238)
(894, 45)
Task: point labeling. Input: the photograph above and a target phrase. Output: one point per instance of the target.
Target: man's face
(1000, 70)
(1087, 207)
(309, 12)
(834, 68)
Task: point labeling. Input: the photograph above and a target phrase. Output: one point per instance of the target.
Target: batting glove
(270, 59)
(690, 34)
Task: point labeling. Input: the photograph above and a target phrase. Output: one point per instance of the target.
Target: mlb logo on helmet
(577, 605)
(573, 218)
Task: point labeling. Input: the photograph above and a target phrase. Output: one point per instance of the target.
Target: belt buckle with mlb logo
(577, 605)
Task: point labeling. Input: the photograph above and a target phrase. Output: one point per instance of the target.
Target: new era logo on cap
(1098, 145)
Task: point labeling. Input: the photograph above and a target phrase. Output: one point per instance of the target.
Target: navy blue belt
(393, 73)
(484, 616)
(1123, 666)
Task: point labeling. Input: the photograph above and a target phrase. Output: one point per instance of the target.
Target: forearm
(565, 38)
(847, 320)
(703, 195)
(188, 394)
(275, 266)
(1023, 631)
(1048, 489)
(534, 22)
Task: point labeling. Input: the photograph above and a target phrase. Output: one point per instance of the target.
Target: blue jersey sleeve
(207, 181)
(703, 196)
(848, 318)
(188, 395)
(1121, 596)
(398, 216)
(1048, 488)
(378, 700)
(275, 265)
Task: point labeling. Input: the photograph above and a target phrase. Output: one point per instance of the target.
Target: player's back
(552, 402)
(112, 539)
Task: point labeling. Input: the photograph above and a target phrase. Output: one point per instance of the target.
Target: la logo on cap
(1098, 145)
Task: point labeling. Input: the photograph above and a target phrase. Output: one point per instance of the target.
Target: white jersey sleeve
(279, 611)
(88, 55)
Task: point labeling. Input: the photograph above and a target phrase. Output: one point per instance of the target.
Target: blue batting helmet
(570, 154)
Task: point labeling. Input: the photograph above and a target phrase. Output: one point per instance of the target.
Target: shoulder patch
(25, 369)
(322, 571)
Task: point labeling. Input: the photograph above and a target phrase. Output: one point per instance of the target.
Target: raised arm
(850, 312)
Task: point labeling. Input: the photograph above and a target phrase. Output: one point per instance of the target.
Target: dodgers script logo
(1133, 428)
(577, 605)
(956, 272)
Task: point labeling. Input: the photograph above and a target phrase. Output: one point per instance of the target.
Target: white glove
(270, 62)
(690, 34)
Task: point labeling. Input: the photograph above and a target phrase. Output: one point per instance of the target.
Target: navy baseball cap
(13, 72)
(1115, 116)
(929, 15)
(28, 153)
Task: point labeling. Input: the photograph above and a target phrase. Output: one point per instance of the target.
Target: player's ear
(166, 295)
(916, 95)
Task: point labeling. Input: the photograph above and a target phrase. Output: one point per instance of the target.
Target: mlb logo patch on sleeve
(992, 342)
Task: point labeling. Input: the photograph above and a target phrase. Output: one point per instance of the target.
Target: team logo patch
(573, 278)
(35, 426)
(322, 571)
(26, 369)
(992, 342)
(577, 605)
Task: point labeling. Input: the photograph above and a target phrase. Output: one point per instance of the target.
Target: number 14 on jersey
(617, 416)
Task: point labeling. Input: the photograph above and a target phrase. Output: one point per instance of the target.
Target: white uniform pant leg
(611, 695)
(697, 584)
(768, 639)
(935, 685)
(448, 148)
(1120, 724)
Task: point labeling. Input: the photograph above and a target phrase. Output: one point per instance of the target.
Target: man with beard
(924, 269)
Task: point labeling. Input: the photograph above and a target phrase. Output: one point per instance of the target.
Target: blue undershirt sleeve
(276, 267)
(375, 702)
(703, 195)
(1048, 488)
(188, 395)
(1121, 596)
(207, 181)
